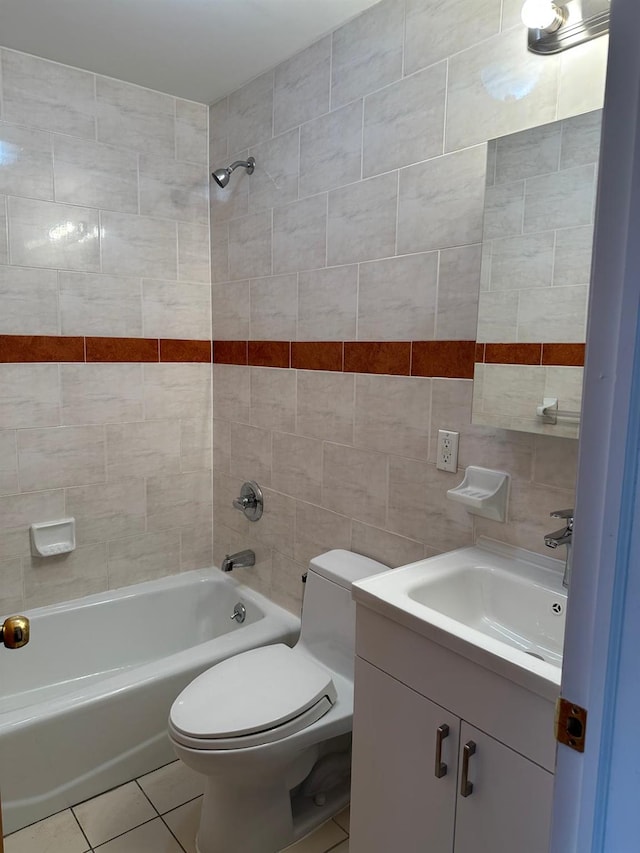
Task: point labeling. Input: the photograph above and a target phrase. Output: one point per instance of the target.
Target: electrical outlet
(448, 450)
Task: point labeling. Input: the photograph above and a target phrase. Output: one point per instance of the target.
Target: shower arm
(249, 165)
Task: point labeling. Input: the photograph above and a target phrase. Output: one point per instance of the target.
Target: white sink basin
(500, 606)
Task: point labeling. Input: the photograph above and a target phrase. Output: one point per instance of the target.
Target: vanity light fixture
(554, 27)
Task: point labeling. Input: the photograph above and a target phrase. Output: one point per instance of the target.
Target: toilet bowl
(270, 728)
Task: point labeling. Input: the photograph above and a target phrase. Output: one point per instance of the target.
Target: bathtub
(84, 706)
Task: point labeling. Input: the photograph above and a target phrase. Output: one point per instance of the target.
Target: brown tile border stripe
(449, 359)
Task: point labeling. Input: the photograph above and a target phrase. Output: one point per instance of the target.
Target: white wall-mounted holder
(52, 538)
(549, 411)
(484, 492)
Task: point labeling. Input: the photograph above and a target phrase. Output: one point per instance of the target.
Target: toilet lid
(251, 692)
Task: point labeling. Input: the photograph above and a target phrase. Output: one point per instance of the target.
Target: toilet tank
(328, 612)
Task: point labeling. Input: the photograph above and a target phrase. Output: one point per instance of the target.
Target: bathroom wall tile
(232, 392)
(176, 390)
(219, 251)
(172, 786)
(441, 202)
(60, 456)
(354, 483)
(513, 390)
(404, 123)
(180, 500)
(218, 131)
(286, 585)
(11, 598)
(172, 310)
(524, 262)
(269, 353)
(325, 405)
(458, 288)
(173, 190)
(18, 512)
(221, 445)
(54, 579)
(419, 510)
(100, 305)
(503, 210)
(569, 355)
(302, 86)
(560, 200)
(27, 163)
(362, 220)
(555, 461)
(225, 490)
(230, 352)
(498, 316)
(534, 151)
(250, 454)
(196, 547)
(433, 33)
(250, 116)
(29, 300)
(191, 132)
(142, 449)
(39, 93)
(451, 359)
(297, 466)
(553, 314)
(566, 384)
(397, 298)
(231, 311)
(278, 523)
(232, 201)
(101, 393)
(196, 442)
(300, 235)
(30, 395)
(107, 511)
(583, 72)
(521, 90)
(275, 180)
(8, 462)
(388, 548)
(273, 398)
(274, 308)
(511, 14)
(53, 235)
(392, 357)
(331, 150)
(143, 558)
(573, 254)
(121, 350)
(319, 530)
(250, 246)
(367, 52)
(95, 175)
(61, 830)
(4, 239)
(581, 140)
(317, 355)
(133, 117)
(138, 245)
(377, 426)
(179, 350)
(193, 252)
(530, 353)
(327, 304)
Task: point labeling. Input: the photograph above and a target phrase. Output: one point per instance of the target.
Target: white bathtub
(84, 706)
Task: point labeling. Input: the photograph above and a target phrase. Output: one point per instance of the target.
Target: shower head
(222, 176)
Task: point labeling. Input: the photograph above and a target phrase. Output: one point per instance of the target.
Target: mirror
(536, 266)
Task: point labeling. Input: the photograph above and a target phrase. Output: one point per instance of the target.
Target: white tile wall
(88, 157)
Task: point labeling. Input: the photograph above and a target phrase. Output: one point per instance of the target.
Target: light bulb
(542, 15)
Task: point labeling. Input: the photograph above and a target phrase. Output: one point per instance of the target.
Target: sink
(501, 606)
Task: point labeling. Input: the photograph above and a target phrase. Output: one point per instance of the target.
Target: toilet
(271, 728)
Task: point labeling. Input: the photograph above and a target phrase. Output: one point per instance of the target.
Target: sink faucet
(241, 560)
(562, 537)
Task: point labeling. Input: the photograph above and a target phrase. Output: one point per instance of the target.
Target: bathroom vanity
(453, 748)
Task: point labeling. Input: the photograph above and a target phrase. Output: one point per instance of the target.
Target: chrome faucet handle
(251, 501)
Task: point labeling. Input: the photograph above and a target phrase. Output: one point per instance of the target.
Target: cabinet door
(398, 803)
(509, 808)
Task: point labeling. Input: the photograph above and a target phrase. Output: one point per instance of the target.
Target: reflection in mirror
(536, 265)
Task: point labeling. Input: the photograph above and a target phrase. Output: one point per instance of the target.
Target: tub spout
(241, 560)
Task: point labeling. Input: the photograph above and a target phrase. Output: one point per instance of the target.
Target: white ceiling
(196, 49)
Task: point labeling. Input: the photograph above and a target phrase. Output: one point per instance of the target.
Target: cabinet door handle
(466, 787)
(441, 768)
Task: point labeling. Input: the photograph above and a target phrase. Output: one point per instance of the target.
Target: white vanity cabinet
(406, 689)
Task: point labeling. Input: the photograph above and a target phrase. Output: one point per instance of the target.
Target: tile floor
(157, 813)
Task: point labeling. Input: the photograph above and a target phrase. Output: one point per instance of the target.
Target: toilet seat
(254, 698)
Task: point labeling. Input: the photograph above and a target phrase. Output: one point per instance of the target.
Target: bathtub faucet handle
(14, 632)
(251, 501)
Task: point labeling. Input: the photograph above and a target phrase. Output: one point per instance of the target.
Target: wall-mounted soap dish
(484, 492)
(52, 538)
